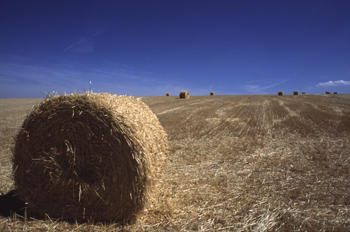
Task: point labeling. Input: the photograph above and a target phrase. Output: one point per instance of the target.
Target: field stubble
(236, 163)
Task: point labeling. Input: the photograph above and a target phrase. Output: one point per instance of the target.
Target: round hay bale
(212, 93)
(296, 92)
(303, 93)
(168, 94)
(89, 157)
(335, 92)
(280, 93)
(327, 92)
(184, 94)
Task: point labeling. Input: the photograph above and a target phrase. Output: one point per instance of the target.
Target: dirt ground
(236, 163)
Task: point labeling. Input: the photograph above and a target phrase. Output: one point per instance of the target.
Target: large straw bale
(280, 93)
(184, 94)
(168, 94)
(212, 93)
(89, 157)
(296, 92)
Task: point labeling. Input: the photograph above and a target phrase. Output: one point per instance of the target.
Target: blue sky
(151, 47)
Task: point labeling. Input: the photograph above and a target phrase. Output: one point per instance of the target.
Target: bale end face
(184, 94)
(98, 155)
(212, 93)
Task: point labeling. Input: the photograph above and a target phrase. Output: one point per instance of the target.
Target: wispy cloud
(86, 45)
(333, 83)
(75, 77)
(261, 80)
(45, 77)
(260, 88)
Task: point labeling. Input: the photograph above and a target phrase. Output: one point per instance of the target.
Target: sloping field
(236, 163)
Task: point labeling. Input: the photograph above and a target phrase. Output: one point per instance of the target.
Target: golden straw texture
(89, 157)
(184, 94)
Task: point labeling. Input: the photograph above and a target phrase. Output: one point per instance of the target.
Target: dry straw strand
(184, 94)
(89, 157)
(280, 93)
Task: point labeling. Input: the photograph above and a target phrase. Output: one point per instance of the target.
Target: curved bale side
(89, 157)
(184, 94)
(167, 94)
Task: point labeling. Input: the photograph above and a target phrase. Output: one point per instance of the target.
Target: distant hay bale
(296, 92)
(89, 157)
(168, 94)
(212, 93)
(303, 93)
(335, 92)
(280, 93)
(327, 92)
(184, 94)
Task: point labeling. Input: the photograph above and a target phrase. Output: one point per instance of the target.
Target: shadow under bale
(11, 203)
(89, 157)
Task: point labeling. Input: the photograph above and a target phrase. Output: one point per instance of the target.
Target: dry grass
(184, 94)
(244, 163)
(96, 154)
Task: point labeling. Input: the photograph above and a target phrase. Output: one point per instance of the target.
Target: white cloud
(333, 83)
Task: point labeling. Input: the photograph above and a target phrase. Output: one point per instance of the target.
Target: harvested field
(236, 163)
